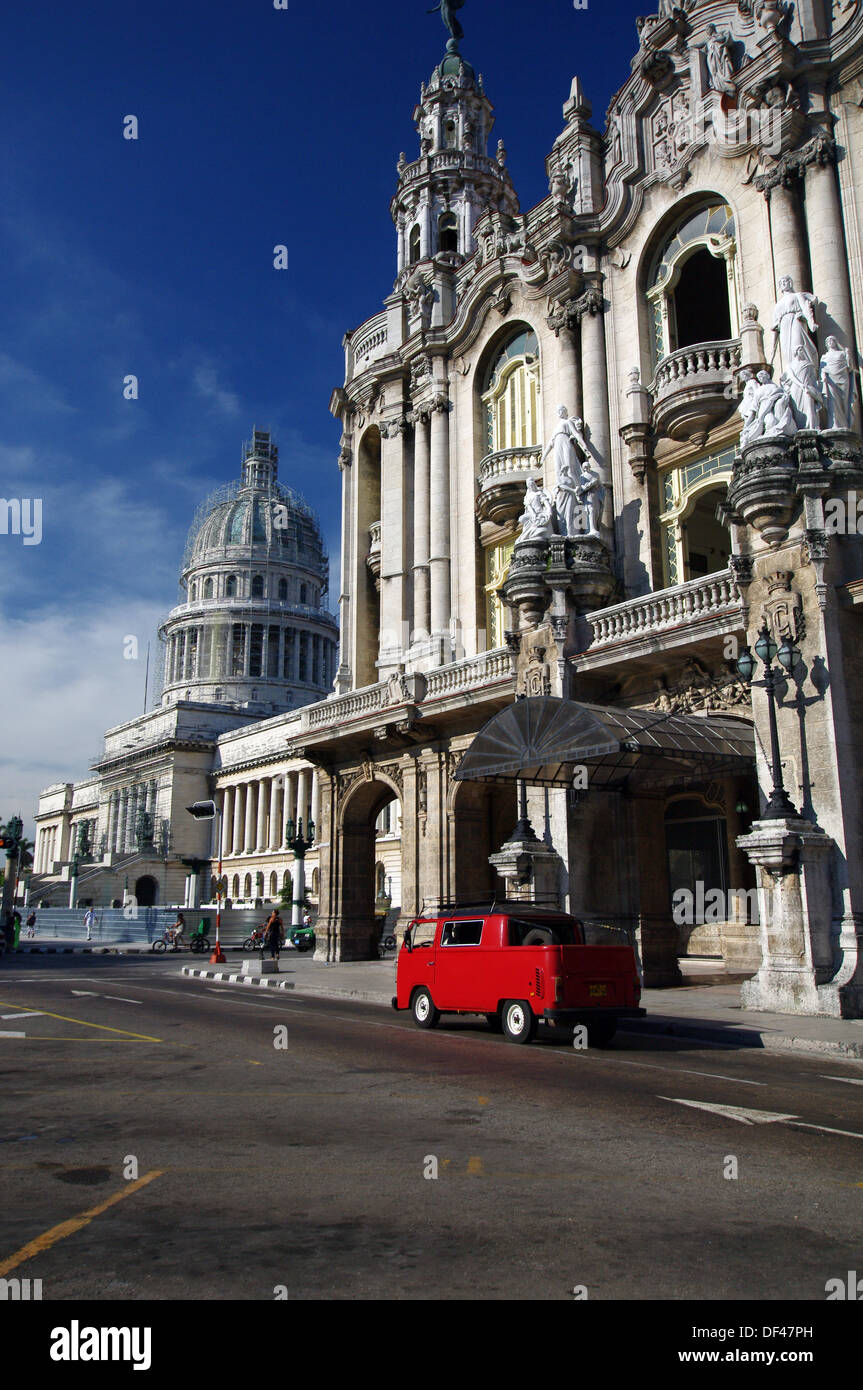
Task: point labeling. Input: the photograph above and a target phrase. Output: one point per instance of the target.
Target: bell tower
(442, 194)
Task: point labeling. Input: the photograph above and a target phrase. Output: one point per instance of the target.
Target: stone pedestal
(530, 870)
(792, 859)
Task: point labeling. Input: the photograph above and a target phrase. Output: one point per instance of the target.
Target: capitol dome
(251, 630)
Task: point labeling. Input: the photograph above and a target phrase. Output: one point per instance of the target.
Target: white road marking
(716, 1075)
(31, 1013)
(851, 1080)
(118, 998)
(825, 1129)
(4, 1034)
(89, 993)
(734, 1112)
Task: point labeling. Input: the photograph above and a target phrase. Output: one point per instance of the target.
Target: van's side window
(461, 933)
(422, 934)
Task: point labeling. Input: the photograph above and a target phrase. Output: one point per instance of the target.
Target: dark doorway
(701, 312)
(146, 891)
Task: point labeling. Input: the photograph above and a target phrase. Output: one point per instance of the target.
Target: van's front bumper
(588, 1015)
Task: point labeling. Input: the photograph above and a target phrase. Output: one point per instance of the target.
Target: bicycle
(197, 943)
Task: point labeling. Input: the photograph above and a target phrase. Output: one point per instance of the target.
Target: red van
(519, 965)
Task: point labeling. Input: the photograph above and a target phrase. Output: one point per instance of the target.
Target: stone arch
(482, 816)
(348, 930)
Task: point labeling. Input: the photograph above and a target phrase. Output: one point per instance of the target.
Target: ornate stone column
(422, 456)
(395, 618)
(303, 797)
(227, 820)
(236, 838)
(249, 836)
(439, 548)
(315, 808)
(780, 187)
(564, 320)
(275, 835)
(262, 816)
(589, 309)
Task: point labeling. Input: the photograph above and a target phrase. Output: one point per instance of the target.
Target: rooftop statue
(447, 13)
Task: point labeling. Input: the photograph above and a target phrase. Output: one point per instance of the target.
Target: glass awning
(542, 739)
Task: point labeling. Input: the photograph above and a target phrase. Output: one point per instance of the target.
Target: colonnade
(48, 849)
(254, 813)
(218, 651)
(124, 807)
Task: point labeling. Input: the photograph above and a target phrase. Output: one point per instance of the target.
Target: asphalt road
(209, 1160)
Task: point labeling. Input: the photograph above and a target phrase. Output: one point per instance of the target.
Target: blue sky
(257, 127)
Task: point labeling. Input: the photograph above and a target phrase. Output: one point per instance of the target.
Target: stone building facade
(592, 455)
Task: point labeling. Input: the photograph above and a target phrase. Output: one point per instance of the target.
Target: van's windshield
(541, 932)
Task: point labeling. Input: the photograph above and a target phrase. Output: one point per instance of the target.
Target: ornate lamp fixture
(779, 805)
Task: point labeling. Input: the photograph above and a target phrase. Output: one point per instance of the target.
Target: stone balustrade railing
(473, 674)
(369, 700)
(685, 603)
(516, 463)
(369, 338)
(690, 366)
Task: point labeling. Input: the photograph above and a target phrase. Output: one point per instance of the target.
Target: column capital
(818, 151)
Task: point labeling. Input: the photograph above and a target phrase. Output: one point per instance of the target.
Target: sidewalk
(707, 1012)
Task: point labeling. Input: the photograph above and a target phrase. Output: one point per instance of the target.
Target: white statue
(837, 385)
(566, 501)
(720, 64)
(775, 407)
(748, 409)
(794, 322)
(805, 394)
(591, 495)
(563, 442)
(536, 519)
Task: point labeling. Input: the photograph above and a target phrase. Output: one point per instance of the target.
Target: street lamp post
(208, 810)
(779, 805)
(299, 844)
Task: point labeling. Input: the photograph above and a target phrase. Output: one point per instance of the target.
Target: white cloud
(208, 386)
(66, 682)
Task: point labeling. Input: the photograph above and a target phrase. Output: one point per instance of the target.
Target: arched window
(287, 883)
(193, 591)
(450, 135)
(304, 593)
(258, 586)
(380, 880)
(694, 543)
(274, 884)
(231, 586)
(208, 588)
(283, 590)
(235, 886)
(692, 281)
(247, 886)
(414, 246)
(510, 394)
(316, 879)
(447, 228)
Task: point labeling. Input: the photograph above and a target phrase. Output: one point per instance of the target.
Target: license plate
(597, 991)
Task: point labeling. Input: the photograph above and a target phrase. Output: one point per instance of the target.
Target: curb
(745, 1038)
(261, 981)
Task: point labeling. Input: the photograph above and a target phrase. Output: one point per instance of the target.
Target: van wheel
(494, 1023)
(424, 1012)
(519, 1021)
(601, 1034)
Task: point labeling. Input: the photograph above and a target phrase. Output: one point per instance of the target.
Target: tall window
(258, 586)
(448, 232)
(231, 586)
(283, 590)
(692, 284)
(694, 543)
(511, 394)
(414, 246)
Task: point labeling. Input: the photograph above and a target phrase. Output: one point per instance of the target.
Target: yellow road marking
(75, 1223)
(64, 1018)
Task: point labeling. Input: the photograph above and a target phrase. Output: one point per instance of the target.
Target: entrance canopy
(541, 739)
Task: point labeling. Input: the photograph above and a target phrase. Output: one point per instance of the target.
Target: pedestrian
(89, 922)
(307, 918)
(31, 925)
(274, 935)
(16, 929)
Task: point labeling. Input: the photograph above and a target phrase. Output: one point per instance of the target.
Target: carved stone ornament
(792, 165)
(783, 609)
(698, 690)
